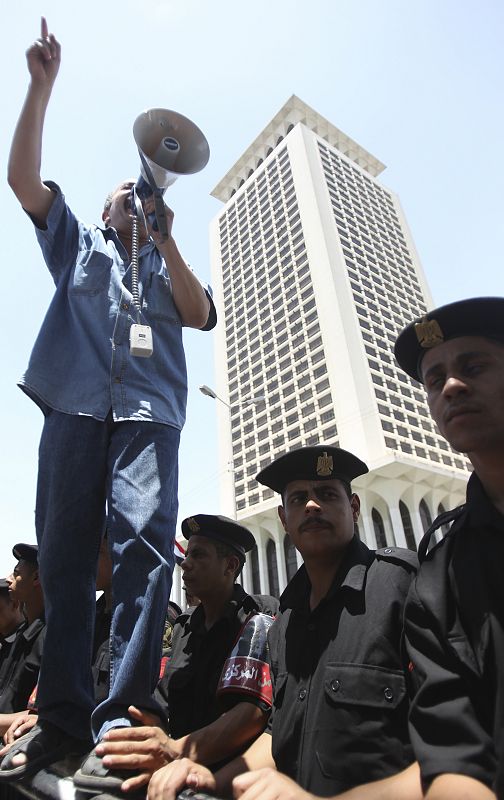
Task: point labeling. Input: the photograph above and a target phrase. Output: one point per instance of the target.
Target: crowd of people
(378, 674)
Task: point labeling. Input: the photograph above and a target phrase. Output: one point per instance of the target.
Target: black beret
(477, 316)
(222, 529)
(26, 552)
(319, 463)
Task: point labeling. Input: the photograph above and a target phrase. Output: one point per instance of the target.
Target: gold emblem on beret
(324, 465)
(193, 525)
(429, 333)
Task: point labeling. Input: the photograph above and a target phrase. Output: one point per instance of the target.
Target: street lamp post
(254, 400)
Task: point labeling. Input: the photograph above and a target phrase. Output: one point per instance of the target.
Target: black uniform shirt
(340, 708)
(7, 643)
(20, 670)
(455, 638)
(188, 687)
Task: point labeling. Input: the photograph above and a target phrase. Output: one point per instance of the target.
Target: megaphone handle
(160, 209)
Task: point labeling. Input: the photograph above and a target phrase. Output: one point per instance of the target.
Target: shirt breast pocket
(91, 274)
(365, 714)
(364, 685)
(160, 304)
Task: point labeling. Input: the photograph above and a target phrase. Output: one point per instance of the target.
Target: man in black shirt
(12, 620)
(19, 672)
(455, 614)
(210, 717)
(339, 715)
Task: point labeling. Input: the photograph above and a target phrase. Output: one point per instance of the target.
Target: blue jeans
(124, 475)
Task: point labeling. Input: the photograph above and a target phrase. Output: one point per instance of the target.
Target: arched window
(446, 527)
(379, 528)
(290, 557)
(271, 559)
(254, 569)
(425, 515)
(407, 526)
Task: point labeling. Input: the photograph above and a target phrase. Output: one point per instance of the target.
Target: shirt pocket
(364, 685)
(363, 724)
(159, 300)
(91, 274)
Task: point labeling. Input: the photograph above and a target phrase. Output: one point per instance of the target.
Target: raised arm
(43, 59)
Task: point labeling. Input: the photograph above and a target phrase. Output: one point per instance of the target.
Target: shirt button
(310, 626)
(335, 685)
(302, 694)
(125, 306)
(389, 694)
(117, 379)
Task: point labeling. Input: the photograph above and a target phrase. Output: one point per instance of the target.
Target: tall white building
(315, 271)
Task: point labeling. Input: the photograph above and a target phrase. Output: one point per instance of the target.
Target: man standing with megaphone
(110, 439)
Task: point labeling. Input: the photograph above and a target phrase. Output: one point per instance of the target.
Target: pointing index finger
(44, 33)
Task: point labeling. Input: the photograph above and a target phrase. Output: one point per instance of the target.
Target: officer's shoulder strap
(398, 555)
(446, 518)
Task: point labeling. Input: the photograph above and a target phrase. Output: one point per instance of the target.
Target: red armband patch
(247, 671)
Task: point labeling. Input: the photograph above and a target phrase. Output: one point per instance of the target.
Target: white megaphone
(169, 145)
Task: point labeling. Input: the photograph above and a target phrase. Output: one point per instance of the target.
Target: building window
(291, 566)
(271, 559)
(425, 515)
(407, 526)
(254, 569)
(379, 529)
(447, 525)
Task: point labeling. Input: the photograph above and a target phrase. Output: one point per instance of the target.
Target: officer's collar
(197, 617)
(480, 509)
(12, 636)
(350, 575)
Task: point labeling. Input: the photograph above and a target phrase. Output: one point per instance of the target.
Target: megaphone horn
(171, 144)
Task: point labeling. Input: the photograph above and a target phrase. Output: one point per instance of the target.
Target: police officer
(11, 620)
(339, 716)
(211, 717)
(455, 616)
(19, 671)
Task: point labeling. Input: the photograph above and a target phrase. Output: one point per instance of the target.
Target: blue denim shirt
(80, 363)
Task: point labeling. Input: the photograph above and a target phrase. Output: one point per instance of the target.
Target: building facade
(315, 272)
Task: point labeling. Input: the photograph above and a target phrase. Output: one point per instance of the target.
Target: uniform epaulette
(399, 555)
(445, 518)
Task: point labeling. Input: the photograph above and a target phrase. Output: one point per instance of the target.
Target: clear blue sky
(418, 83)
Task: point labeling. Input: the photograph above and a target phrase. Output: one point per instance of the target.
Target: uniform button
(388, 550)
(117, 379)
(125, 306)
(302, 694)
(335, 685)
(310, 627)
(389, 694)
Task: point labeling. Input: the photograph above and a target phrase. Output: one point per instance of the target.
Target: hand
(22, 724)
(44, 58)
(143, 749)
(149, 208)
(168, 781)
(268, 784)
